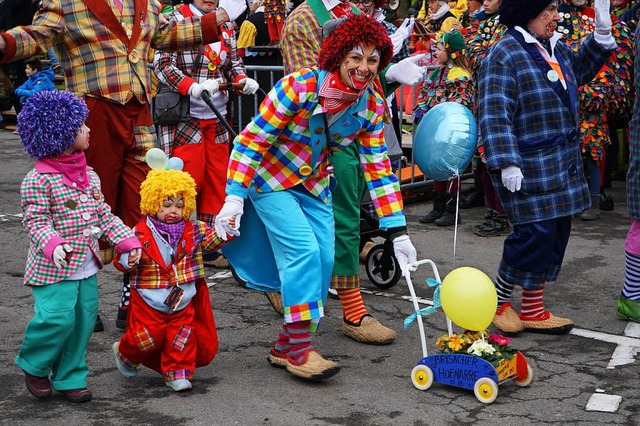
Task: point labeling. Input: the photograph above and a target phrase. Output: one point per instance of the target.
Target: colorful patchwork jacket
(286, 145)
(187, 266)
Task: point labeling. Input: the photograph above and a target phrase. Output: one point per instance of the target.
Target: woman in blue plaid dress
(528, 114)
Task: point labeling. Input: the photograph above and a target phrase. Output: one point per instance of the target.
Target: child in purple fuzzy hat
(64, 215)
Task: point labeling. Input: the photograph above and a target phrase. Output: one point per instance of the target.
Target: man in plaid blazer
(528, 114)
(103, 46)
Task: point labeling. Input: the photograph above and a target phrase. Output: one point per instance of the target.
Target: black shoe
(495, 226)
(99, 326)
(121, 318)
(606, 202)
(447, 219)
(431, 217)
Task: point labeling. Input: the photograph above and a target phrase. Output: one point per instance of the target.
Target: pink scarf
(72, 166)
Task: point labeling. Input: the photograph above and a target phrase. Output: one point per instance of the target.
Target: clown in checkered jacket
(170, 328)
(528, 115)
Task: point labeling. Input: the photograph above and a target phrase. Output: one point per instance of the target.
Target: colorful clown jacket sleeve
(610, 93)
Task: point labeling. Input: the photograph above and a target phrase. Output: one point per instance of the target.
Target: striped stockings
(504, 290)
(532, 307)
(294, 340)
(631, 288)
(353, 308)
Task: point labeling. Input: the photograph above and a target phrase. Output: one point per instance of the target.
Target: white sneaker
(179, 385)
(122, 368)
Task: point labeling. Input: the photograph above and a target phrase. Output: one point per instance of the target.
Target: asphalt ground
(374, 386)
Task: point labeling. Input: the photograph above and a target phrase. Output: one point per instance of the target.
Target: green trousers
(347, 196)
(56, 338)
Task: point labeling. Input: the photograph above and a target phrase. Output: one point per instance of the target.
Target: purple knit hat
(49, 122)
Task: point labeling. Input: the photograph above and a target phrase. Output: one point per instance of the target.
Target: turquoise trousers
(56, 338)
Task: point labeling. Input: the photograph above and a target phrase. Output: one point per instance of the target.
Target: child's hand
(134, 256)
(61, 255)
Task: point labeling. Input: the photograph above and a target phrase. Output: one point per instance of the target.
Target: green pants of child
(56, 338)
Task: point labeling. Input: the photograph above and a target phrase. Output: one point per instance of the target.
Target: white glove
(60, 255)
(233, 207)
(512, 178)
(401, 34)
(250, 86)
(407, 71)
(234, 8)
(603, 16)
(210, 86)
(405, 253)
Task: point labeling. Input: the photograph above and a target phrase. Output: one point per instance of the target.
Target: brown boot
(594, 212)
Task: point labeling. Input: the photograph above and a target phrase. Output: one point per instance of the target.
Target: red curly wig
(357, 30)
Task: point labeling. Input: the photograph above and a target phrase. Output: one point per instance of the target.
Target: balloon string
(455, 228)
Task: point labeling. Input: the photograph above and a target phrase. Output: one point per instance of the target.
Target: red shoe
(37, 386)
(77, 395)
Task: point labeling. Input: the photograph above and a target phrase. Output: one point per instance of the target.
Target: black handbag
(169, 107)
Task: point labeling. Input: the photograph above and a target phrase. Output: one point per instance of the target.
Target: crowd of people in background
(445, 50)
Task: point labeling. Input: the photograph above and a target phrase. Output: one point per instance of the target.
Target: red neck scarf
(335, 95)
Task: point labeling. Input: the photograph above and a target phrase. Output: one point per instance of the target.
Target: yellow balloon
(156, 159)
(469, 298)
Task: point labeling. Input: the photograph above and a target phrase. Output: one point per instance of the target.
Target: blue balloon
(175, 163)
(445, 141)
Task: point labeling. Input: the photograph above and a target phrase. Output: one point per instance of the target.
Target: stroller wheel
(382, 267)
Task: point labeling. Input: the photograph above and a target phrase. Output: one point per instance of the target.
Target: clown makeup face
(441, 54)
(171, 210)
(545, 24)
(491, 6)
(82, 140)
(360, 66)
(206, 6)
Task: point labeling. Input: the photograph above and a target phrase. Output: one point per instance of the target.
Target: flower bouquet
(492, 348)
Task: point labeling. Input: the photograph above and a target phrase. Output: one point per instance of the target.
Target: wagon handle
(407, 275)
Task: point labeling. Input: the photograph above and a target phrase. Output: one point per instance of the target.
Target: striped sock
(353, 308)
(631, 288)
(299, 340)
(504, 290)
(532, 307)
(282, 344)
